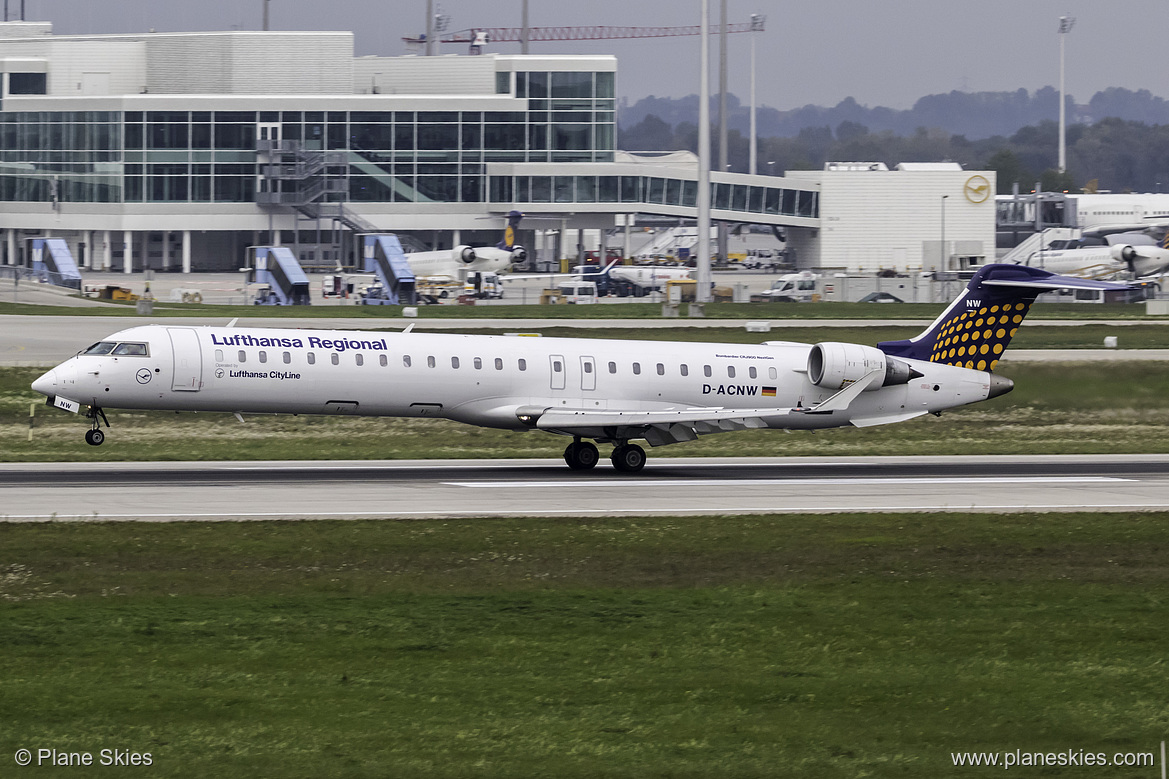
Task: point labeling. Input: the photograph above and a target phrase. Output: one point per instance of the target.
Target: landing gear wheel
(94, 437)
(581, 456)
(628, 458)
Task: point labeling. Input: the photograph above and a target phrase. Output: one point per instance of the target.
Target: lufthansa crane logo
(143, 376)
(976, 189)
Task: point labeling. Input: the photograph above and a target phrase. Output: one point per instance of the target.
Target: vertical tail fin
(974, 331)
(513, 224)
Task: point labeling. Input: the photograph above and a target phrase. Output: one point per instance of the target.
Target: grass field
(814, 646)
(1055, 408)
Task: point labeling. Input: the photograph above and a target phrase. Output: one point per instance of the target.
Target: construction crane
(480, 36)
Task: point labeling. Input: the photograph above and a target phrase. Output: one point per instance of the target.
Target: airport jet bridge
(384, 258)
(286, 283)
(53, 263)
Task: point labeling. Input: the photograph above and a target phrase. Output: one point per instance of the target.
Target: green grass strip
(818, 646)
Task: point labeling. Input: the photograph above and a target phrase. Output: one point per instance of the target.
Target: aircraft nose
(46, 384)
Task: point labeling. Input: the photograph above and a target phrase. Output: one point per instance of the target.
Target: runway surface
(484, 488)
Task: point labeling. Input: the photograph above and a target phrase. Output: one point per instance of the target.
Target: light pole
(943, 263)
(702, 271)
(1065, 26)
(757, 21)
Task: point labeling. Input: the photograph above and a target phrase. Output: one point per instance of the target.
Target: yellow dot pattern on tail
(977, 338)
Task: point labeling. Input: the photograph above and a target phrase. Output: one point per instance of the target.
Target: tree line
(1118, 142)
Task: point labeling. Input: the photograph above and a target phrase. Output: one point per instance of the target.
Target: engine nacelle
(519, 255)
(1123, 252)
(464, 254)
(834, 366)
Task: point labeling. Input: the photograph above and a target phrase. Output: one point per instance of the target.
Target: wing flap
(567, 419)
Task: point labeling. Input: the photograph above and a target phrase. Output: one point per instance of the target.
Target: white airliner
(1142, 250)
(456, 262)
(609, 391)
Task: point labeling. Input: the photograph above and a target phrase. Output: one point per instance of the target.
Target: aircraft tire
(581, 456)
(628, 458)
(94, 437)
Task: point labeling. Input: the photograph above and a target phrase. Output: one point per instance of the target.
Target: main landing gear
(583, 456)
(94, 436)
(628, 458)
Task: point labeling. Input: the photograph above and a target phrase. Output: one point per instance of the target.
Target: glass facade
(392, 156)
(653, 190)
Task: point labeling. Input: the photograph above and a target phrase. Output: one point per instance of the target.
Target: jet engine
(835, 365)
(519, 255)
(1141, 260)
(464, 254)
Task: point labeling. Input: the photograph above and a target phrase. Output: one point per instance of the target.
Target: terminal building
(178, 151)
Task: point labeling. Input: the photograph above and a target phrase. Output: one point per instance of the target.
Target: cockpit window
(101, 347)
(128, 348)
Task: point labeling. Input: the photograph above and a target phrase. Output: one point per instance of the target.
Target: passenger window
(661, 369)
(706, 371)
(218, 355)
(754, 374)
(771, 373)
(263, 356)
(430, 362)
(243, 356)
(636, 369)
(455, 363)
(523, 364)
(312, 358)
(287, 358)
(556, 366)
(134, 349)
(731, 371)
(478, 363)
(498, 363)
(406, 360)
(588, 367)
(336, 358)
(383, 360)
(359, 359)
(612, 367)
(685, 369)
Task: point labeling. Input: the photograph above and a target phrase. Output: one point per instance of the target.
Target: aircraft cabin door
(588, 374)
(558, 369)
(188, 359)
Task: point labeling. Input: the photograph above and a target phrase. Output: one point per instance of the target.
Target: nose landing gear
(94, 436)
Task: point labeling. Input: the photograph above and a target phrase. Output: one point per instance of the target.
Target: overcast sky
(881, 52)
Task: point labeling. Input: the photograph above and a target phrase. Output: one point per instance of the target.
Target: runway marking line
(624, 482)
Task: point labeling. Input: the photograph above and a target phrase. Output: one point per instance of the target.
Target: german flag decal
(769, 392)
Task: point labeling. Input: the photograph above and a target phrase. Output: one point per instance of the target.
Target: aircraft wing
(575, 275)
(1103, 231)
(660, 427)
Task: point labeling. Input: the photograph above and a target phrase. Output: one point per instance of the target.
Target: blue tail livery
(974, 331)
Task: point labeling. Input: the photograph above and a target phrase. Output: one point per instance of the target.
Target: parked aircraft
(607, 391)
(1142, 250)
(456, 262)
